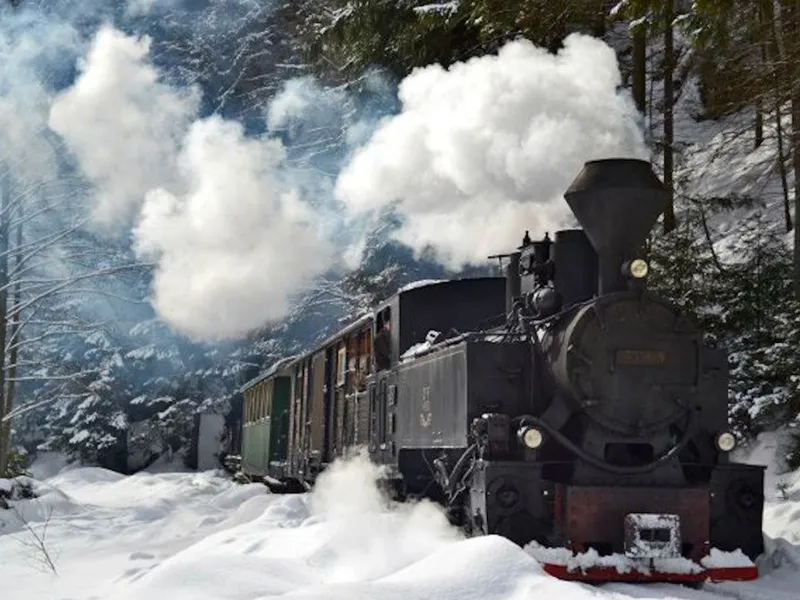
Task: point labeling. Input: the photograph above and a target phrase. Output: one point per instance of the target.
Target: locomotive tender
(563, 406)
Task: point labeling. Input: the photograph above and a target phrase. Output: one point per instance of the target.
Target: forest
(89, 367)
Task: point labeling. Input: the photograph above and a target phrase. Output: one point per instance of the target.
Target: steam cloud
(236, 246)
(485, 150)
(233, 244)
(124, 126)
(367, 536)
(479, 153)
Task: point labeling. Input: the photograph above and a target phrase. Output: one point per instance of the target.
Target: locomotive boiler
(588, 424)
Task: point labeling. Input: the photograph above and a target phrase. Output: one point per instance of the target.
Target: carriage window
(367, 348)
(341, 365)
(363, 360)
(383, 340)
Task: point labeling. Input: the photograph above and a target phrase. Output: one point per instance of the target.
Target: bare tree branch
(37, 544)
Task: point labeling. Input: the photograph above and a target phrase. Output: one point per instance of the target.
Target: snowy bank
(177, 536)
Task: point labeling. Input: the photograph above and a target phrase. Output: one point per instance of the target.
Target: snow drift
(197, 535)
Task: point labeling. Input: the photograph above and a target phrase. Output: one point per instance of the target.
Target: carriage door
(382, 400)
(376, 418)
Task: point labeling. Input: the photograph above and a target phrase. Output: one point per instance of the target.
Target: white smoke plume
(123, 124)
(485, 150)
(32, 47)
(478, 154)
(236, 246)
(232, 243)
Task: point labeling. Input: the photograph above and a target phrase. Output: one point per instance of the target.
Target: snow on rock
(30, 503)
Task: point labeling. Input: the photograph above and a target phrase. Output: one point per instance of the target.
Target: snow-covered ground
(180, 536)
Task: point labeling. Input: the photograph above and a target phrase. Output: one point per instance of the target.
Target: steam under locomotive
(563, 406)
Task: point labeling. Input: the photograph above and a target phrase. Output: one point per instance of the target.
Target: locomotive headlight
(638, 268)
(726, 441)
(530, 437)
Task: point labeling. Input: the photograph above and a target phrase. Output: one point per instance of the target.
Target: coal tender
(595, 420)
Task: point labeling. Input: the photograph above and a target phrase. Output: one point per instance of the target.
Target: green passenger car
(265, 430)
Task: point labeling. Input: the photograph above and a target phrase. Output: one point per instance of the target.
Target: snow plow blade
(611, 574)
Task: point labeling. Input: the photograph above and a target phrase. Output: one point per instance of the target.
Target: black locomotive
(588, 416)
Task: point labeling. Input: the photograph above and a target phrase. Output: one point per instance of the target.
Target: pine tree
(91, 426)
(343, 38)
(760, 318)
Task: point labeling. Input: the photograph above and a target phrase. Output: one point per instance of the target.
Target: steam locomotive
(562, 406)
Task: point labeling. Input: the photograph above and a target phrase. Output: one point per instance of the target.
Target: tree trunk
(669, 99)
(790, 21)
(795, 82)
(640, 68)
(759, 124)
(13, 354)
(796, 165)
(5, 426)
(773, 53)
(599, 19)
(782, 162)
(762, 38)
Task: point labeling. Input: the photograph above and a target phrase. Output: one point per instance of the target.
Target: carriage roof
(411, 289)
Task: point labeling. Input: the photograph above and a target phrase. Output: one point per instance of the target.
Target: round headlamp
(638, 268)
(726, 441)
(530, 437)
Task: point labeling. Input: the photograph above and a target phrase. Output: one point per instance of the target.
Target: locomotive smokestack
(616, 201)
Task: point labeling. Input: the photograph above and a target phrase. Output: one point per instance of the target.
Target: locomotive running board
(611, 574)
